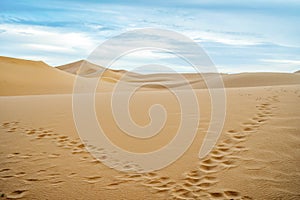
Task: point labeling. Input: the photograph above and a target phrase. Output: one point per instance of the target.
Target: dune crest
(24, 77)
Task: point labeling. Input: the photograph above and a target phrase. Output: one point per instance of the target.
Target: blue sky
(238, 36)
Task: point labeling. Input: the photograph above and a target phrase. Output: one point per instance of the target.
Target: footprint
(193, 180)
(231, 194)
(72, 174)
(130, 177)
(208, 168)
(217, 157)
(17, 194)
(246, 198)
(77, 151)
(5, 177)
(152, 182)
(20, 174)
(11, 130)
(63, 137)
(81, 146)
(248, 129)
(30, 132)
(57, 182)
(211, 179)
(239, 138)
(33, 179)
(4, 170)
(216, 194)
(92, 179)
(223, 149)
(41, 136)
(184, 193)
(114, 185)
(73, 142)
(239, 148)
(205, 185)
(261, 115)
(232, 131)
(208, 161)
(229, 163)
(228, 141)
(216, 153)
(5, 124)
(54, 155)
(261, 120)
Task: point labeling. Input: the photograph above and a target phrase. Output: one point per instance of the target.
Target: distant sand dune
(23, 77)
(74, 68)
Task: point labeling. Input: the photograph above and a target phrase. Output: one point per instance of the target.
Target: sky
(238, 36)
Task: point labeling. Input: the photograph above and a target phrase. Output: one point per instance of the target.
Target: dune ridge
(24, 77)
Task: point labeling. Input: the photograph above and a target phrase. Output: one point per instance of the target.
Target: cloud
(20, 40)
(288, 62)
(224, 38)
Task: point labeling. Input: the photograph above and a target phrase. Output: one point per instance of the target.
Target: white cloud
(223, 38)
(290, 62)
(49, 48)
(37, 40)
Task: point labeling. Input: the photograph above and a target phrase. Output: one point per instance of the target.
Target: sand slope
(257, 156)
(24, 77)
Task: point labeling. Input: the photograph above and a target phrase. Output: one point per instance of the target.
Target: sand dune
(24, 77)
(196, 80)
(87, 69)
(74, 68)
(42, 156)
(260, 79)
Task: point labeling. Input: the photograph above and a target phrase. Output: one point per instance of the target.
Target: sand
(42, 157)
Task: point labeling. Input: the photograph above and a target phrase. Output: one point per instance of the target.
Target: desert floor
(256, 157)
